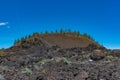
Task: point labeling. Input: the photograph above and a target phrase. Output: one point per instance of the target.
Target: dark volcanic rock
(97, 55)
(40, 60)
(115, 53)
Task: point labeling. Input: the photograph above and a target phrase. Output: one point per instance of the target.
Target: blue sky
(99, 18)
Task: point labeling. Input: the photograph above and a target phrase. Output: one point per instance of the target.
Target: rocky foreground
(40, 61)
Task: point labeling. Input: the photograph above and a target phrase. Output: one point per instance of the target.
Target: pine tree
(61, 30)
(78, 33)
(46, 32)
(69, 30)
(35, 34)
(56, 31)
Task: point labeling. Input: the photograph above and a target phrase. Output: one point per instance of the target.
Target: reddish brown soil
(68, 40)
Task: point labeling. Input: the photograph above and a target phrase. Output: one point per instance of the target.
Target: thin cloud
(3, 23)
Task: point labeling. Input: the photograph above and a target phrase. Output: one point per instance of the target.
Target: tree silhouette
(69, 30)
(46, 32)
(61, 30)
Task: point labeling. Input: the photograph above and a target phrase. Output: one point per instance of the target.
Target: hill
(59, 56)
(63, 40)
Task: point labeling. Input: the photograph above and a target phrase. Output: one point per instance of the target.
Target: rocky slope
(43, 59)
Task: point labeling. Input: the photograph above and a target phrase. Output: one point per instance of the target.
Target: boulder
(97, 55)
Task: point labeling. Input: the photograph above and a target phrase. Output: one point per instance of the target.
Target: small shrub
(66, 60)
(110, 56)
(42, 62)
(26, 71)
(57, 59)
(39, 65)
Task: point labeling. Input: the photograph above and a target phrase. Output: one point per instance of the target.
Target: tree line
(61, 31)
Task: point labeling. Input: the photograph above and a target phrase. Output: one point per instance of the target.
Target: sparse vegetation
(26, 71)
(110, 56)
(40, 61)
(78, 33)
(69, 30)
(61, 31)
(66, 60)
(35, 34)
(2, 53)
(56, 31)
(88, 36)
(46, 32)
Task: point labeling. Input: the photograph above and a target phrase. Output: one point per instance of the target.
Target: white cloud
(3, 23)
